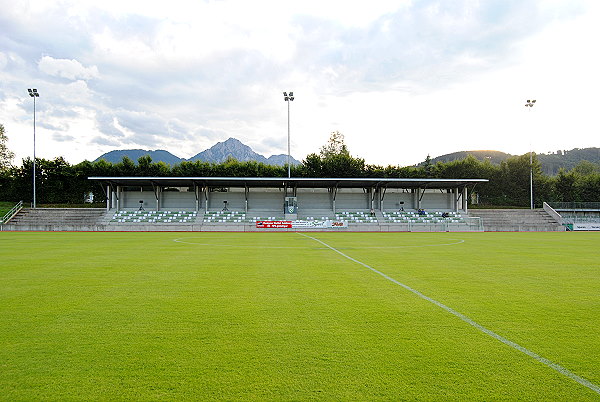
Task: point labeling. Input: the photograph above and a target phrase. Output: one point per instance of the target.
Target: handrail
(11, 213)
(552, 212)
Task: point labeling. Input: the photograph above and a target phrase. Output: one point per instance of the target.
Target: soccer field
(292, 316)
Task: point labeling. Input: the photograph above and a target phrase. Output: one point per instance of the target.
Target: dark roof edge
(279, 179)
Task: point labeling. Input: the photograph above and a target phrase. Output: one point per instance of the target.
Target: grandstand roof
(301, 182)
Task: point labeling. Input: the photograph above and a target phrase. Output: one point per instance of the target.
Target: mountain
(134, 154)
(494, 157)
(551, 162)
(218, 153)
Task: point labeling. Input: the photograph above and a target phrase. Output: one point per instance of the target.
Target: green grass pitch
(279, 316)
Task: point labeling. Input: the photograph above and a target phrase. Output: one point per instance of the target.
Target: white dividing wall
(265, 199)
(131, 200)
(352, 199)
(436, 200)
(394, 197)
(235, 199)
(177, 201)
(318, 198)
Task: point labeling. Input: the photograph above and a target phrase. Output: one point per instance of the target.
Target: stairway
(516, 220)
(56, 219)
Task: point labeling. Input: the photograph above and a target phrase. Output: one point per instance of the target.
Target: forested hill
(551, 162)
(494, 157)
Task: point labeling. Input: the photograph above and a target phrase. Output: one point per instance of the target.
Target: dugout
(308, 195)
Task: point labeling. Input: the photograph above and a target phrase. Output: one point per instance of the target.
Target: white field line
(185, 240)
(469, 321)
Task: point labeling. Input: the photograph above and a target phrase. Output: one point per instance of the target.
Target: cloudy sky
(400, 79)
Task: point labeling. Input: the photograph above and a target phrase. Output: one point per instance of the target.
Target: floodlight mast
(34, 94)
(529, 104)
(288, 98)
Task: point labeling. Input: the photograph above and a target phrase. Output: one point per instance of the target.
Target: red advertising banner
(273, 224)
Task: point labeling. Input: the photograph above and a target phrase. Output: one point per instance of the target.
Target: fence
(570, 206)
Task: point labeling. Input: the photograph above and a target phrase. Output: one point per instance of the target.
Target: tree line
(59, 182)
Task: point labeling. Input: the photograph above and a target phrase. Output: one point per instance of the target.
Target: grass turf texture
(279, 316)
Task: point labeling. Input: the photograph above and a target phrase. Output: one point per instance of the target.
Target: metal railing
(11, 213)
(575, 205)
(468, 224)
(581, 219)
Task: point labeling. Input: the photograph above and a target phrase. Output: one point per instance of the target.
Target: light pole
(288, 98)
(530, 104)
(34, 94)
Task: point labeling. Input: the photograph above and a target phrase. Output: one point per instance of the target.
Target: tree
(335, 145)
(334, 160)
(428, 166)
(586, 168)
(6, 156)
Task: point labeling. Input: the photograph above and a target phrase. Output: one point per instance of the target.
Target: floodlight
(288, 99)
(34, 94)
(530, 103)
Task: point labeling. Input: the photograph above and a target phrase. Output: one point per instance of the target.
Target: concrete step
(516, 220)
(57, 216)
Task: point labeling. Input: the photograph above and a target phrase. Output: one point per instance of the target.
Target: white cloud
(65, 68)
(400, 79)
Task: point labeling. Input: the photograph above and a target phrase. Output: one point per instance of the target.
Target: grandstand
(257, 203)
(238, 203)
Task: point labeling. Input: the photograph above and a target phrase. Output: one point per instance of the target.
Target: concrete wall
(264, 200)
(177, 201)
(434, 199)
(318, 198)
(268, 199)
(235, 200)
(131, 200)
(352, 199)
(394, 197)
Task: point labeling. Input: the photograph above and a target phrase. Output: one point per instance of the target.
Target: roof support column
(156, 189)
(381, 197)
(117, 195)
(456, 198)
(108, 197)
(464, 200)
(334, 194)
(205, 199)
(246, 191)
(158, 195)
(197, 196)
(113, 197)
(372, 191)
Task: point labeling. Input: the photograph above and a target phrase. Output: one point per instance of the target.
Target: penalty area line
(557, 367)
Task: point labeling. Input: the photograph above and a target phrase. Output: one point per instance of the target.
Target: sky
(399, 79)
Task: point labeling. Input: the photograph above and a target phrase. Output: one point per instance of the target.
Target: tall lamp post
(288, 98)
(34, 94)
(530, 104)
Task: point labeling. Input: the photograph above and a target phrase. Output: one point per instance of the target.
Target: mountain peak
(218, 153)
